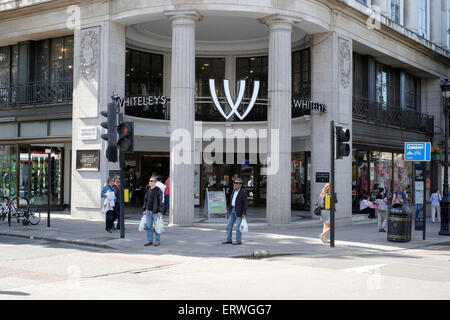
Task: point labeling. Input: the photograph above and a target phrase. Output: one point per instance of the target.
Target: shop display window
(8, 171)
(300, 180)
(380, 171)
(402, 174)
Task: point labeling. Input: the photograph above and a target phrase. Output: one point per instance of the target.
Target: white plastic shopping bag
(244, 226)
(159, 225)
(143, 223)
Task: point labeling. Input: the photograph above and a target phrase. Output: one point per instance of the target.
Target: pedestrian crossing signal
(126, 137)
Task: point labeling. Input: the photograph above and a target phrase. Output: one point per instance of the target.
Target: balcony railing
(206, 110)
(390, 115)
(54, 92)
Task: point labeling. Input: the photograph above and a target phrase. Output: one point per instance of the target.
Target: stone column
(411, 9)
(445, 24)
(279, 119)
(182, 116)
(436, 22)
(331, 59)
(99, 71)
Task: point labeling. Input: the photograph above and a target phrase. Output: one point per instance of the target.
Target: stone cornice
(356, 11)
(36, 8)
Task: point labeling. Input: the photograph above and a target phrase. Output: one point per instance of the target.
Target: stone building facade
(376, 66)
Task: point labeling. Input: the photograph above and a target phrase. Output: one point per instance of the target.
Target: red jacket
(167, 183)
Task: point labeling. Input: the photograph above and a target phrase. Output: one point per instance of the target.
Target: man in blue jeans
(237, 209)
(152, 209)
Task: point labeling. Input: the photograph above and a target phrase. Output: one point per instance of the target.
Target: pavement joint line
(72, 242)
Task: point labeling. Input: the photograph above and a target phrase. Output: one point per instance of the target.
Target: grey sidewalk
(205, 239)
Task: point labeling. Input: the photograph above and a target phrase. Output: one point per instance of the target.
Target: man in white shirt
(237, 210)
(161, 186)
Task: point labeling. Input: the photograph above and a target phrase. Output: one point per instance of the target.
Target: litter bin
(399, 224)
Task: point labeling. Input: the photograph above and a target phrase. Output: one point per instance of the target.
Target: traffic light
(126, 137)
(342, 147)
(111, 135)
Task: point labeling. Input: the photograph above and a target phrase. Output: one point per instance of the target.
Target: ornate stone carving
(345, 63)
(89, 55)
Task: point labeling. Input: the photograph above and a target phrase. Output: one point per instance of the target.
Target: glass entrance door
(220, 176)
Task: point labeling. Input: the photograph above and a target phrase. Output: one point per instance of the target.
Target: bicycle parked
(29, 214)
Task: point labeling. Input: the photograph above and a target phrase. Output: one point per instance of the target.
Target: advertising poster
(216, 202)
(197, 185)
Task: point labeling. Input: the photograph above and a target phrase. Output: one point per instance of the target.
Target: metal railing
(390, 115)
(53, 92)
(206, 110)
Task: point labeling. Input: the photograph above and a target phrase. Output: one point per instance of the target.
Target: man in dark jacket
(237, 209)
(153, 210)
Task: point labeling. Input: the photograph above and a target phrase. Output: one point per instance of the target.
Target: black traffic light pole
(121, 189)
(332, 187)
(339, 149)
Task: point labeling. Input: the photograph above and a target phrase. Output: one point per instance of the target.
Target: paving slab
(204, 239)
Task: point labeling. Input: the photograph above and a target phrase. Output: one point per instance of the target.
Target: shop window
(39, 190)
(144, 73)
(300, 180)
(8, 171)
(380, 172)
(402, 174)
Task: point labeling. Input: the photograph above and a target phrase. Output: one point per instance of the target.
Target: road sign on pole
(417, 151)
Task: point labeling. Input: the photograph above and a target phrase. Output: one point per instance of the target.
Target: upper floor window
(209, 68)
(61, 60)
(301, 73)
(395, 10)
(448, 24)
(412, 95)
(144, 73)
(423, 21)
(387, 85)
(9, 60)
(251, 69)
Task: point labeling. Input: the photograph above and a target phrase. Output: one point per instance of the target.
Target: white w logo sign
(234, 105)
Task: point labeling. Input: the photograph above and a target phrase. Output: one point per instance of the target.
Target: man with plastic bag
(153, 211)
(236, 212)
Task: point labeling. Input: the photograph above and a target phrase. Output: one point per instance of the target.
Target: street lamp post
(445, 201)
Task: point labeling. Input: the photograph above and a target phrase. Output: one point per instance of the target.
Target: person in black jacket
(152, 209)
(237, 209)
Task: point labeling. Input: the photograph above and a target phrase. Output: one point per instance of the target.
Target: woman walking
(153, 210)
(382, 209)
(324, 214)
(435, 200)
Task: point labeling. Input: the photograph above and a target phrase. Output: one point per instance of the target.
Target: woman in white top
(435, 201)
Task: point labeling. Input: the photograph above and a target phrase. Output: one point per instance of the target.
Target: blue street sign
(417, 151)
